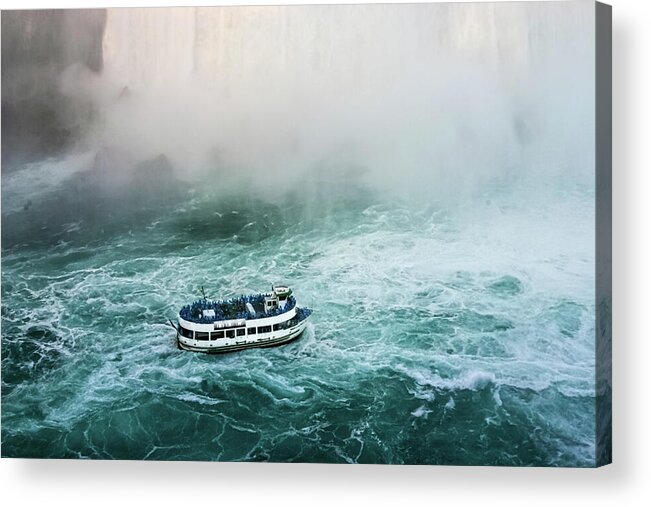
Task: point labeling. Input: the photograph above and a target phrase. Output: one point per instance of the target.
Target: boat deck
(235, 308)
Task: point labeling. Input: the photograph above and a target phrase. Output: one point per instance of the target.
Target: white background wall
(626, 482)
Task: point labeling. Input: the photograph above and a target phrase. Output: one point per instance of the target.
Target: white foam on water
(421, 411)
(32, 181)
(195, 398)
(472, 380)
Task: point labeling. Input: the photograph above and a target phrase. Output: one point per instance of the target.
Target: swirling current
(441, 334)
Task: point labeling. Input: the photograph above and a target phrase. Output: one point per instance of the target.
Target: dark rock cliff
(37, 46)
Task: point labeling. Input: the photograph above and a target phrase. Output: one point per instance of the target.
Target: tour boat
(258, 320)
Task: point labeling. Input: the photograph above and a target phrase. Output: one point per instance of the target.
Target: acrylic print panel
(410, 202)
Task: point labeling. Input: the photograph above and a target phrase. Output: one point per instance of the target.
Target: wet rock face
(37, 46)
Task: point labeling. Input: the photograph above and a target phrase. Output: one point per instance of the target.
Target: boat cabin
(270, 303)
(280, 293)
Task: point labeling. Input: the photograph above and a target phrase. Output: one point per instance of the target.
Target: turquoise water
(442, 332)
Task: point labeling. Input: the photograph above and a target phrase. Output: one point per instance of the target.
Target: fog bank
(429, 98)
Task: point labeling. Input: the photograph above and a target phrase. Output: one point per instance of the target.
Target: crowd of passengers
(302, 313)
(234, 308)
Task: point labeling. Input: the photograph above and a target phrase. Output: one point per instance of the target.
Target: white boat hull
(272, 339)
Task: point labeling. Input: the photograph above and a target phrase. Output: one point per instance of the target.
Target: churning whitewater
(438, 335)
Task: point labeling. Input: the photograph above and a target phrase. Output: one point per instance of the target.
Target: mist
(421, 98)
(426, 102)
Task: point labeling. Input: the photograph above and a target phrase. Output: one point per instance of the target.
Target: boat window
(200, 336)
(240, 332)
(185, 332)
(264, 329)
(251, 330)
(230, 333)
(217, 334)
